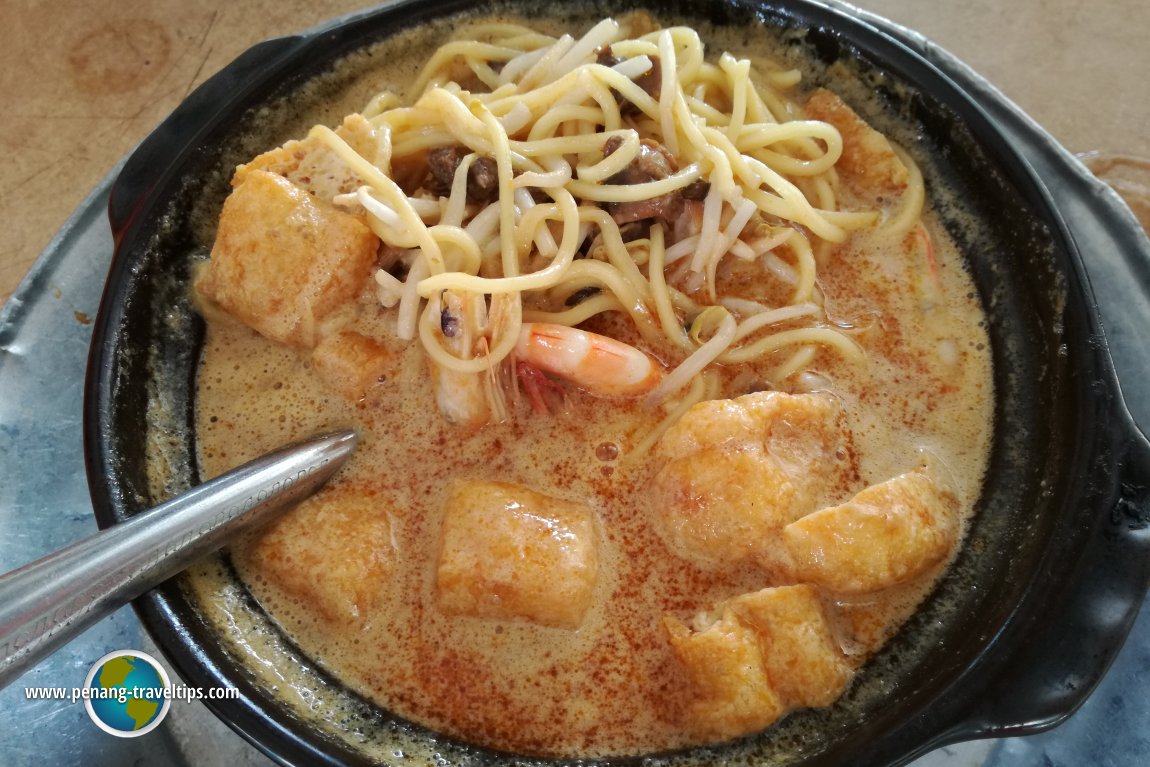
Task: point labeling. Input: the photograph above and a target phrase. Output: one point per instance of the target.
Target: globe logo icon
(127, 693)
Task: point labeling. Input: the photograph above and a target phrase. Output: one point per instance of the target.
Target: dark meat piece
(606, 58)
(442, 162)
(666, 208)
(696, 190)
(483, 180)
(482, 176)
(651, 81)
(652, 163)
(636, 230)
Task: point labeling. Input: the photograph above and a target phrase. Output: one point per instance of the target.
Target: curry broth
(611, 686)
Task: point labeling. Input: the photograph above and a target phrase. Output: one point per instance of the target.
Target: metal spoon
(46, 603)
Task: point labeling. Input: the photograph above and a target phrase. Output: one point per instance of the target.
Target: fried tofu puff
(888, 534)
(334, 552)
(868, 159)
(352, 364)
(312, 166)
(766, 653)
(509, 552)
(284, 263)
(729, 692)
(735, 472)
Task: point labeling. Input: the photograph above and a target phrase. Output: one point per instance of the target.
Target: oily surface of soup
(354, 576)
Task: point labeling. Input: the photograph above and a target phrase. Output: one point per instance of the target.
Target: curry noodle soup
(675, 395)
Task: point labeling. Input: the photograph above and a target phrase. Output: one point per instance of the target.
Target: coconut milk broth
(609, 687)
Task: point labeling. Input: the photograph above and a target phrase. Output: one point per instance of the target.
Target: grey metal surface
(44, 503)
(43, 496)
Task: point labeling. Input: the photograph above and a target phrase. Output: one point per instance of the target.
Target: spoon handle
(46, 603)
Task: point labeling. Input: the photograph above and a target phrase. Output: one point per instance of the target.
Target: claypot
(1017, 633)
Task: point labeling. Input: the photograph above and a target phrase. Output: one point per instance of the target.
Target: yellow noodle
(698, 360)
(617, 253)
(800, 359)
(664, 308)
(530, 221)
(614, 162)
(823, 336)
(910, 205)
(688, 49)
(757, 136)
(696, 394)
(632, 192)
(515, 283)
(738, 71)
(483, 71)
(556, 116)
(571, 144)
(580, 312)
(729, 122)
(805, 258)
(612, 119)
(468, 250)
(502, 151)
(470, 49)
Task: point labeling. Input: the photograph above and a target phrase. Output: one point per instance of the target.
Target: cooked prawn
(595, 363)
(540, 389)
(461, 396)
(930, 286)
